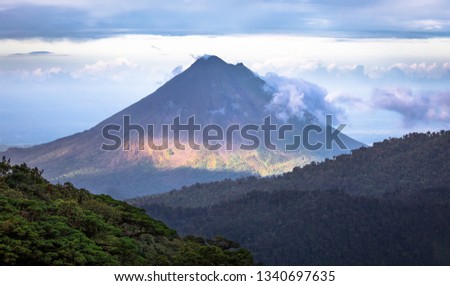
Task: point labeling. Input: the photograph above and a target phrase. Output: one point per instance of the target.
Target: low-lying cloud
(414, 106)
(292, 97)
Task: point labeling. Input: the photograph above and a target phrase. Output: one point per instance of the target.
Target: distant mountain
(45, 224)
(384, 205)
(6, 147)
(212, 91)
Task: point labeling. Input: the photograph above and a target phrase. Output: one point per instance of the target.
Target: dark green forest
(327, 227)
(384, 205)
(46, 224)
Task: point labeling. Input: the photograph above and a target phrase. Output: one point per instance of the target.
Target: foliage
(327, 227)
(45, 224)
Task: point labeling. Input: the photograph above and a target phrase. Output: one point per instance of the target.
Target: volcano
(210, 91)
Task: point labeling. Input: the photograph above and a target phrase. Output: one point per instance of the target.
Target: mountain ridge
(370, 171)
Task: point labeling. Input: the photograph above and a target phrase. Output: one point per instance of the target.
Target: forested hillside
(327, 227)
(384, 205)
(45, 224)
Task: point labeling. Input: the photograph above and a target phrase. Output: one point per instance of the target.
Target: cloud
(44, 73)
(114, 69)
(102, 66)
(33, 53)
(350, 18)
(314, 68)
(343, 98)
(36, 74)
(414, 106)
(177, 70)
(291, 97)
(318, 70)
(422, 70)
(28, 21)
(428, 25)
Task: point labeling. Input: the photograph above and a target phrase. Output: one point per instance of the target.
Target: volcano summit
(213, 95)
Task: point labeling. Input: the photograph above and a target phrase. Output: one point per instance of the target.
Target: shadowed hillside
(384, 205)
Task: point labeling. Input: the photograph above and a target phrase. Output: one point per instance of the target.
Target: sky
(383, 66)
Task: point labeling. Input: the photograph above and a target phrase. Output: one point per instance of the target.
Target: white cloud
(42, 73)
(319, 22)
(37, 73)
(291, 97)
(113, 69)
(318, 68)
(415, 70)
(287, 102)
(347, 100)
(102, 66)
(428, 25)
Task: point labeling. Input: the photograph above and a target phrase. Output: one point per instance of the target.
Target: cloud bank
(349, 18)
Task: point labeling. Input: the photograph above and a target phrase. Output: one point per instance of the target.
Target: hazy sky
(66, 65)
